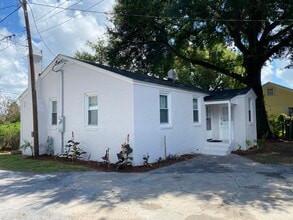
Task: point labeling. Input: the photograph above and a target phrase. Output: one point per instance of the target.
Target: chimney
(171, 75)
(37, 65)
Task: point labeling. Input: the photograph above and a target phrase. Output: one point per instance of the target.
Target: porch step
(219, 149)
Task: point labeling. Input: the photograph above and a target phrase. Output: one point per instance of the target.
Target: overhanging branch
(207, 65)
(284, 43)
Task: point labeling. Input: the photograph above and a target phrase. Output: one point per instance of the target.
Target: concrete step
(216, 149)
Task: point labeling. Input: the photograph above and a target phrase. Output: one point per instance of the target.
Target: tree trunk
(254, 81)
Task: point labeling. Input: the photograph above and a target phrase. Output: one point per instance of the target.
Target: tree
(9, 110)
(151, 35)
(209, 79)
(100, 52)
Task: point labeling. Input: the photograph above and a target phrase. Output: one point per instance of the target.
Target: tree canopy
(154, 36)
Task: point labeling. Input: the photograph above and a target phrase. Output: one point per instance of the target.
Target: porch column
(229, 122)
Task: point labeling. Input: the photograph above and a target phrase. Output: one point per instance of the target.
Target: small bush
(277, 123)
(9, 136)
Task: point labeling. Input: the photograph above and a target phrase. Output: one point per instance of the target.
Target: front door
(224, 122)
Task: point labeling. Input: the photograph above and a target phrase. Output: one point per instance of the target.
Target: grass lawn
(27, 164)
(274, 152)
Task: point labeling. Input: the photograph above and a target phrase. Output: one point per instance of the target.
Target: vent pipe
(171, 75)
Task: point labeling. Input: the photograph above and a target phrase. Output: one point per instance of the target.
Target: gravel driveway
(206, 187)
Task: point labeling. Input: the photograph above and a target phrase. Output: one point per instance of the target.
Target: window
(92, 110)
(290, 111)
(209, 118)
(195, 111)
(164, 112)
(54, 112)
(270, 92)
(250, 110)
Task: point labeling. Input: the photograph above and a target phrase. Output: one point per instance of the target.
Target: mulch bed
(271, 145)
(101, 166)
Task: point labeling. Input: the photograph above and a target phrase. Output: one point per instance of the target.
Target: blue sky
(65, 32)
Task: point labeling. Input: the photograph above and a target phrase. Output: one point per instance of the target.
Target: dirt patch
(272, 152)
(101, 166)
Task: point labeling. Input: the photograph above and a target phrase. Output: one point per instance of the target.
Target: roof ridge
(283, 87)
(146, 78)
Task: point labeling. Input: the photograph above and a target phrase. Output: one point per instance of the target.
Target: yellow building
(278, 99)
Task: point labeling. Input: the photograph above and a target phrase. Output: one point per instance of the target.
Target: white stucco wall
(182, 135)
(26, 123)
(244, 130)
(27, 120)
(126, 107)
(115, 108)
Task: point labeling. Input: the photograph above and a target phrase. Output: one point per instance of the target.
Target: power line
(58, 7)
(7, 37)
(44, 42)
(44, 15)
(3, 19)
(53, 27)
(11, 6)
(13, 44)
(161, 16)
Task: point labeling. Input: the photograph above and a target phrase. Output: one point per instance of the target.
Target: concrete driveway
(207, 187)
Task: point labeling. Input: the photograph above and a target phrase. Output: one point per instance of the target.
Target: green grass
(23, 163)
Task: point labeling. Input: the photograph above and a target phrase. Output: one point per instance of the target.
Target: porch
(219, 128)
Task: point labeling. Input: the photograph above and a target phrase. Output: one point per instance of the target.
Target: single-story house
(102, 105)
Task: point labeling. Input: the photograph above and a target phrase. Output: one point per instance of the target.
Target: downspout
(61, 62)
(229, 121)
(62, 109)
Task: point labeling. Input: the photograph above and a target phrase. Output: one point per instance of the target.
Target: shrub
(277, 123)
(9, 136)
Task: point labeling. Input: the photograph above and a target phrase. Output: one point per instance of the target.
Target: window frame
(271, 93)
(89, 109)
(167, 124)
(53, 113)
(208, 118)
(196, 109)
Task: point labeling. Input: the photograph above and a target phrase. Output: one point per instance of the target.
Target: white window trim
(199, 105)
(169, 124)
(86, 105)
(51, 126)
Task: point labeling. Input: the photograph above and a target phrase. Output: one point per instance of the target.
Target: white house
(101, 105)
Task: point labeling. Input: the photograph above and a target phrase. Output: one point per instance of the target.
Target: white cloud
(277, 72)
(284, 73)
(13, 72)
(63, 31)
(66, 31)
(267, 72)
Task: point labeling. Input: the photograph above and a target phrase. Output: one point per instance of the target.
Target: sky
(57, 30)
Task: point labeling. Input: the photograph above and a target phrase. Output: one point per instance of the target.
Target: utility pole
(33, 84)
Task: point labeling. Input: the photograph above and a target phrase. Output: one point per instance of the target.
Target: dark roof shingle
(148, 79)
(226, 94)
